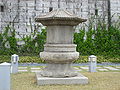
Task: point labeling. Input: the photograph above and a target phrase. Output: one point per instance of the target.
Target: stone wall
(23, 12)
(115, 10)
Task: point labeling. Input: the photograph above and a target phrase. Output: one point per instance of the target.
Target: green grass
(97, 81)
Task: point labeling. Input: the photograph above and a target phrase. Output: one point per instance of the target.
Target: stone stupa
(59, 50)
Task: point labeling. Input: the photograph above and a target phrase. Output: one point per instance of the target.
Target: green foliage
(100, 59)
(8, 35)
(30, 59)
(100, 42)
(79, 40)
(4, 58)
(36, 59)
(1, 39)
(33, 43)
(23, 59)
(41, 39)
(105, 42)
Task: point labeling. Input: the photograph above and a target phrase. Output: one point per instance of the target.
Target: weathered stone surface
(59, 51)
(59, 17)
(79, 79)
(59, 70)
(98, 67)
(111, 68)
(60, 47)
(63, 57)
(84, 68)
(30, 8)
(102, 69)
(35, 71)
(22, 70)
(22, 67)
(35, 68)
(60, 34)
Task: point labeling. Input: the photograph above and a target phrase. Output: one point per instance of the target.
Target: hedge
(36, 59)
(98, 42)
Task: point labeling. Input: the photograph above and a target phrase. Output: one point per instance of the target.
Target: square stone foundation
(80, 79)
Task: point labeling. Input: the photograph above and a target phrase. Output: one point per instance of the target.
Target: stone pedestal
(79, 79)
(59, 50)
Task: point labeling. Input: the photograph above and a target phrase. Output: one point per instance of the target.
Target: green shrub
(100, 59)
(33, 43)
(36, 59)
(30, 59)
(4, 58)
(106, 43)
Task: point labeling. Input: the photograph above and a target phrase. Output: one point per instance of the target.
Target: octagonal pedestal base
(58, 71)
(79, 79)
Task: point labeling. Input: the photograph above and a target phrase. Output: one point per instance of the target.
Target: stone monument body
(59, 50)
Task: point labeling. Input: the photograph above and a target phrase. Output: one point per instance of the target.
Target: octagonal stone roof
(59, 17)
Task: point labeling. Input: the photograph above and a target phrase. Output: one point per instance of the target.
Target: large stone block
(60, 34)
(79, 79)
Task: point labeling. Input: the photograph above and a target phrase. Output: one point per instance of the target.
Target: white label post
(14, 63)
(92, 63)
(5, 76)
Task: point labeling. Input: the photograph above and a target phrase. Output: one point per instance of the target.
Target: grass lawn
(97, 81)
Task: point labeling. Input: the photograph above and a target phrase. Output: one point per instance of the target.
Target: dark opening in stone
(2, 8)
(50, 9)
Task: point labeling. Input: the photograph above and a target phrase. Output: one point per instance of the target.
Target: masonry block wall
(115, 10)
(21, 13)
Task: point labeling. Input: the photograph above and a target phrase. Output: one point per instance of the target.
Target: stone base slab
(80, 79)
